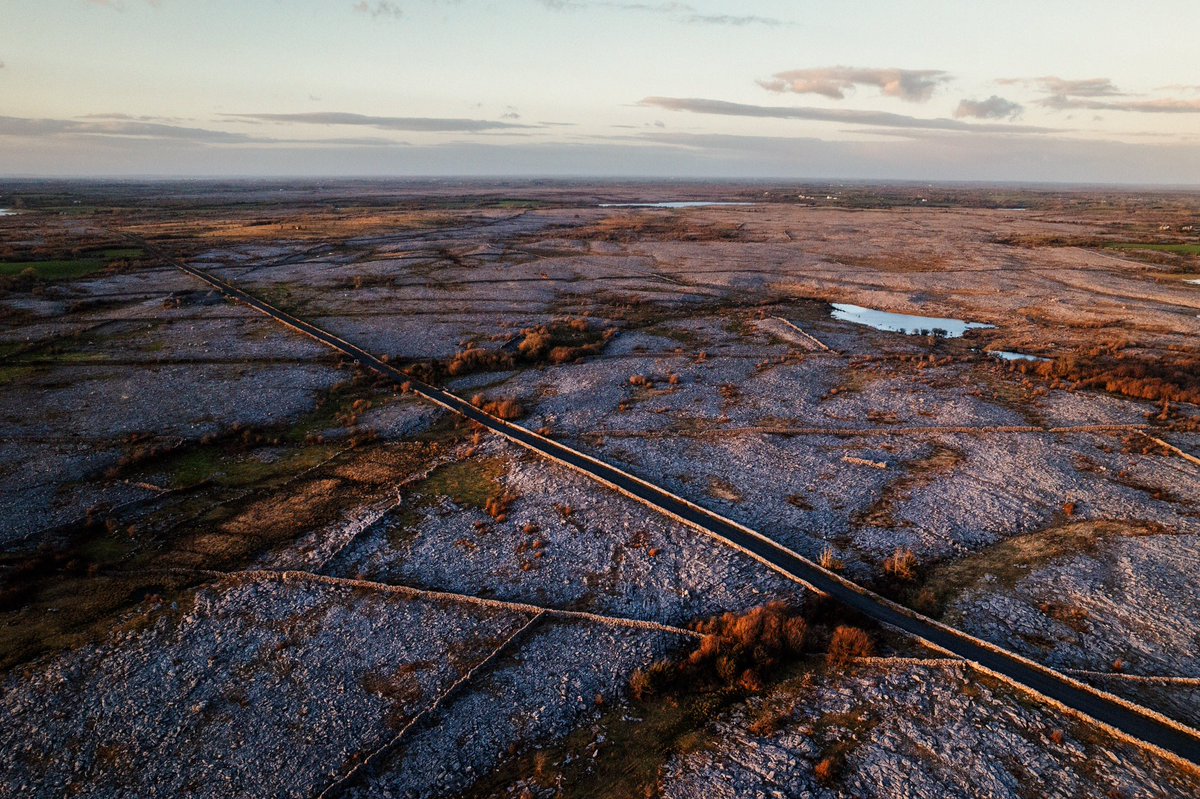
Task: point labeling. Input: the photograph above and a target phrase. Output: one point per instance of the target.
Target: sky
(1046, 91)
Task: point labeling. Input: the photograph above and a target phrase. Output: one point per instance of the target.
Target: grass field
(66, 269)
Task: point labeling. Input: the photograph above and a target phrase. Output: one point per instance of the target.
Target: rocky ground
(166, 455)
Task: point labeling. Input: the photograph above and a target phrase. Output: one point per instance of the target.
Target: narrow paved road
(1133, 722)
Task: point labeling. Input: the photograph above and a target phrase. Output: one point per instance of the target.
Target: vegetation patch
(918, 474)
(1170, 376)
(68, 268)
(661, 226)
(561, 341)
(473, 483)
(1010, 561)
(1181, 249)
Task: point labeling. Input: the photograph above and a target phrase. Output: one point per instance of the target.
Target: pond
(909, 324)
(1008, 355)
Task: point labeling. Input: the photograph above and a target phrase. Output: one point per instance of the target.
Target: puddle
(1006, 355)
(1196, 281)
(688, 204)
(908, 324)
(7, 212)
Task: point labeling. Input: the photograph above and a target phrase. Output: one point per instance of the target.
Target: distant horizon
(598, 180)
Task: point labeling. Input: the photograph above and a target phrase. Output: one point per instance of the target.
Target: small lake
(1196, 281)
(1006, 355)
(687, 204)
(7, 212)
(909, 324)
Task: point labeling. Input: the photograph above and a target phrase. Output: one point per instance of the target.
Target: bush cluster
(736, 652)
(1172, 377)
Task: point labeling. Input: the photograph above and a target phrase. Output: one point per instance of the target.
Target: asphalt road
(1134, 722)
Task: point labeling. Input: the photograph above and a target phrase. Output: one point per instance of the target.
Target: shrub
(497, 505)
(535, 344)
(477, 359)
(902, 565)
(639, 685)
(826, 770)
(769, 721)
(829, 561)
(738, 649)
(506, 409)
(848, 643)
(1170, 377)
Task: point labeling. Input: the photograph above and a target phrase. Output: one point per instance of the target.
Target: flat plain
(234, 562)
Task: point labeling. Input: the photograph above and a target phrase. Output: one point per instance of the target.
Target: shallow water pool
(909, 324)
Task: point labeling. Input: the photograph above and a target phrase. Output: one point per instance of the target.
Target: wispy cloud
(117, 5)
(131, 117)
(913, 85)
(1088, 87)
(682, 12)
(138, 128)
(419, 124)
(844, 115)
(1101, 94)
(116, 127)
(1164, 105)
(736, 20)
(994, 107)
(380, 8)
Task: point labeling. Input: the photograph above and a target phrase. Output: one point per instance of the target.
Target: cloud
(114, 126)
(1096, 94)
(994, 107)
(1090, 87)
(124, 127)
(843, 115)
(682, 12)
(913, 85)
(117, 5)
(423, 124)
(131, 118)
(1154, 106)
(734, 20)
(381, 8)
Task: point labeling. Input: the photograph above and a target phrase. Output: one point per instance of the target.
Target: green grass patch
(122, 252)
(239, 470)
(68, 268)
(468, 483)
(1180, 249)
(15, 374)
(1005, 564)
(56, 269)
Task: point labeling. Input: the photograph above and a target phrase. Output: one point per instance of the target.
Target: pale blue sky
(1097, 91)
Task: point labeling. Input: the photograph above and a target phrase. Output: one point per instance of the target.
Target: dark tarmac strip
(1139, 725)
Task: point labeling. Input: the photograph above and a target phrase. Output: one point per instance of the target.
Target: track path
(1139, 725)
